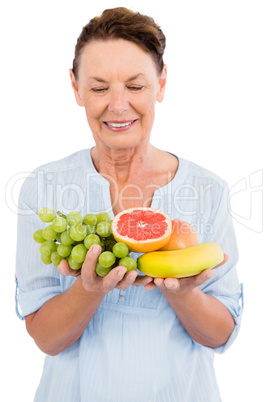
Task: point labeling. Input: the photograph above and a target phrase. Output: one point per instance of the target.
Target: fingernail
(210, 275)
(121, 273)
(94, 249)
(59, 268)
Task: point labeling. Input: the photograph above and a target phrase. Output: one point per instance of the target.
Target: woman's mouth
(119, 125)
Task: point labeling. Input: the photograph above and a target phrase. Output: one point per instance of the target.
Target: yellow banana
(181, 263)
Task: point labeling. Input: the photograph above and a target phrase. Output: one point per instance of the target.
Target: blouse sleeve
(224, 284)
(35, 281)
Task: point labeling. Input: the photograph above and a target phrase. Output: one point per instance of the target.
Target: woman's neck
(123, 164)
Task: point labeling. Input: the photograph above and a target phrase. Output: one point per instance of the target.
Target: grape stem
(61, 215)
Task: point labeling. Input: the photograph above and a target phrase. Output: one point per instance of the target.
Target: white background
(214, 113)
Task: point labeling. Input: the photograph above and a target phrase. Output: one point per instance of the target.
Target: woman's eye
(99, 90)
(135, 88)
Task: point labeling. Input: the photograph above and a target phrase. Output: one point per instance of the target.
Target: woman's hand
(203, 316)
(117, 277)
(183, 285)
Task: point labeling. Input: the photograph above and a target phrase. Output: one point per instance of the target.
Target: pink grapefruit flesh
(142, 229)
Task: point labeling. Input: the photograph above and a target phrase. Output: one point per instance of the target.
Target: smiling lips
(119, 125)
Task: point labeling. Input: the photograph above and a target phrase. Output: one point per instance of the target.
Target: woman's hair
(122, 23)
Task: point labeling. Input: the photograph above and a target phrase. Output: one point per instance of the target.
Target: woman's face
(118, 84)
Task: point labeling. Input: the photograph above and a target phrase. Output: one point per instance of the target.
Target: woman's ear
(162, 84)
(75, 88)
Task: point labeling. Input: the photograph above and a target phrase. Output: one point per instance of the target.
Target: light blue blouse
(135, 348)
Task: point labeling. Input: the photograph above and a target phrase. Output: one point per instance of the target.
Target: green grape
(37, 236)
(106, 259)
(49, 233)
(129, 263)
(78, 232)
(90, 229)
(63, 250)
(103, 217)
(58, 237)
(79, 252)
(120, 250)
(46, 214)
(48, 247)
(65, 238)
(90, 219)
(104, 229)
(73, 264)
(46, 259)
(91, 239)
(59, 224)
(101, 271)
(56, 259)
(73, 218)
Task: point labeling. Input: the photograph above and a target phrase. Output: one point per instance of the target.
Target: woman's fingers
(89, 277)
(183, 285)
(226, 258)
(114, 277)
(143, 280)
(127, 280)
(88, 267)
(118, 278)
(150, 286)
(92, 281)
(65, 270)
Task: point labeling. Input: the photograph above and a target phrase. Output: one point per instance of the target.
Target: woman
(126, 337)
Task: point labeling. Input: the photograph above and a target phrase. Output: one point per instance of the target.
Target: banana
(181, 263)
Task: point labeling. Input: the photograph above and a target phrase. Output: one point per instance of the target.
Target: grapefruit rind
(142, 245)
(182, 235)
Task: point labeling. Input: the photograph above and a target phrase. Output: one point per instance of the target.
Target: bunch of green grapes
(71, 236)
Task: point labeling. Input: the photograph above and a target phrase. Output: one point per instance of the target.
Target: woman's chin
(127, 141)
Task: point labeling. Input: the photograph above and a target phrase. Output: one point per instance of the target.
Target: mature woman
(126, 337)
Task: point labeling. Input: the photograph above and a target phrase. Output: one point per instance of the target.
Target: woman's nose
(118, 101)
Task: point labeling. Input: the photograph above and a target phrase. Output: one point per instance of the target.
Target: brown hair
(122, 23)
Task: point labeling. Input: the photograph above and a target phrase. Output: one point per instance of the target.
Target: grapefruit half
(142, 229)
(183, 235)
